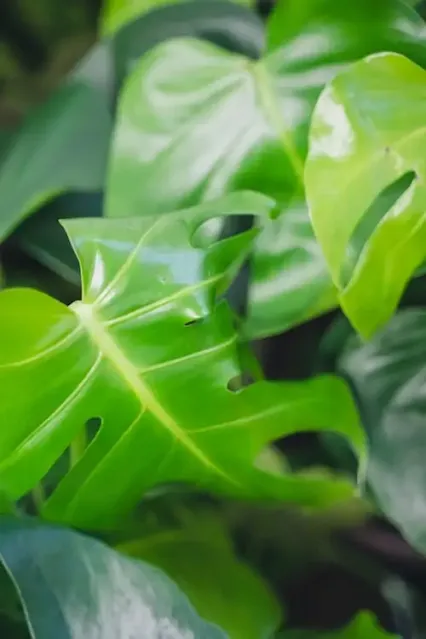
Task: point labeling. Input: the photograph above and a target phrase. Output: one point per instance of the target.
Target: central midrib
(275, 117)
(112, 352)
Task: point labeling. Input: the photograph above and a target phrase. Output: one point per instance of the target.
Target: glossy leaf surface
(149, 353)
(118, 13)
(368, 132)
(72, 587)
(389, 376)
(62, 146)
(364, 626)
(199, 557)
(196, 122)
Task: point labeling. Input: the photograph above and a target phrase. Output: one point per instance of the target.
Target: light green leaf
(72, 587)
(196, 121)
(364, 626)
(369, 133)
(198, 556)
(117, 13)
(62, 146)
(150, 353)
(389, 376)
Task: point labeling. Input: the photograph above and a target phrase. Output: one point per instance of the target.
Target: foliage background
(319, 587)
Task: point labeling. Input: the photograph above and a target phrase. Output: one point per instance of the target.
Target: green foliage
(74, 586)
(34, 169)
(198, 556)
(253, 174)
(388, 374)
(214, 121)
(368, 131)
(117, 13)
(125, 354)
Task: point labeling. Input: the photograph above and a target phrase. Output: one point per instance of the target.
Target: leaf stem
(78, 446)
(38, 496)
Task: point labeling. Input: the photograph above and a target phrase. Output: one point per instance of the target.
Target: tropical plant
(203, 178)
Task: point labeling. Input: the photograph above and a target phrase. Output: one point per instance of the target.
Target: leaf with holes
(150, 353)
(196, 121)
(369, 137)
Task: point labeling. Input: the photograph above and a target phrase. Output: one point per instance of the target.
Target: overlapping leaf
(389, 375)
(149, 353)
(117, 13)
(72, 587)
(198, 555)
(368, 136)
(227, 24)
(196, 121)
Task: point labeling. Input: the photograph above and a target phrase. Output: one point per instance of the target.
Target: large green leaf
(199, 557)
(149, 353)
(62, 146)
(389, 376)
(72, 587)
(369, 133)
(364, 626)
(196, 121)
(118, 13)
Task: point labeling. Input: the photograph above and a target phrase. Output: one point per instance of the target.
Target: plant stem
(38, 496)
(78, 446)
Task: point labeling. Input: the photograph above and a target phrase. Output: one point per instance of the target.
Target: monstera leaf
(388, 374)
(368, 136)
(196, 121)
(62, 145)
(149, 353)
(72, 586)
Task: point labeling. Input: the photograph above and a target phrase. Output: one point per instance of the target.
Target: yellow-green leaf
(366, 183)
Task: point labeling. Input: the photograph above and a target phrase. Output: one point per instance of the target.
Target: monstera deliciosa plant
(203, 180)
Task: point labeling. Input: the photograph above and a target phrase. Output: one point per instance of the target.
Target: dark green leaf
(42, 236)
(368, 133)
(199, 557)
(62, 146)
(224, 23)
(196, 121)
(389, 376)
(150, 353)
(72, 587)
(118, 13)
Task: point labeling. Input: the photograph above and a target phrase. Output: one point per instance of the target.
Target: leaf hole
(93, 426)
(208, 233)
(371, 219)
(220, 228)
(192, 322)
(238, 382)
